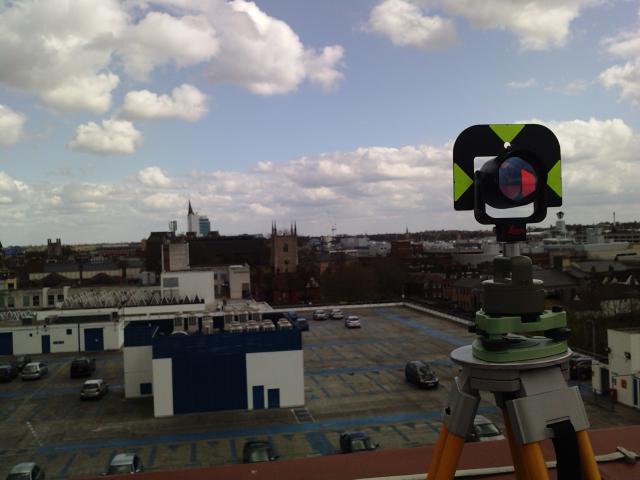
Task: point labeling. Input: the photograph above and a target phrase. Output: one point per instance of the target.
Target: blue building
(220, 371)
(204, 226)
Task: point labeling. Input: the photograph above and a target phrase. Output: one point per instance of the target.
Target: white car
(320, 315)
(352, 321)
(34, 371)
(336, 314)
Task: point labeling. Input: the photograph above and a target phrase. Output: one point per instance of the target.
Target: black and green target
(525, 169)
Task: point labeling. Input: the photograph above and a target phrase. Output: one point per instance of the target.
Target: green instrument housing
(513, 310)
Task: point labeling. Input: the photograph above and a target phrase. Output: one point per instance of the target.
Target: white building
(624, 365)
(71, 332)
(192, 220)
(209, 372)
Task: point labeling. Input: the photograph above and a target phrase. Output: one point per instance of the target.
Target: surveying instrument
(520, 354)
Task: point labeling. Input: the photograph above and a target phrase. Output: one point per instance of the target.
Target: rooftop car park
(354, 380)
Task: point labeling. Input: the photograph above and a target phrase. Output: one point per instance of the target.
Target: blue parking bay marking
(64, 472)
(319, 442)
(151, 459)
(233, 451)
(430, 331)
(336, 424)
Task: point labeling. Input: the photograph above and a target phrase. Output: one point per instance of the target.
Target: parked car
(351, 442)
(258, 451)
(97, 388)
(20, 361)
(302, 324)
(352, 321)
(336, 314)
(124, 463)
(26, 471)
(420, 374)
(484, 430)
(34, 371)
(8, 372)
(320, 315)
(82, 367)
(580, 367)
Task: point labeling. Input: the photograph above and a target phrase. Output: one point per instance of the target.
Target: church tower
(192, 221)
(284, 249)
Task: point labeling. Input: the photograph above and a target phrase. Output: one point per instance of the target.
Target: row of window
(32, 300)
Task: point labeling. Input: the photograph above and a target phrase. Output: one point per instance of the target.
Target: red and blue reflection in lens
(517, 179)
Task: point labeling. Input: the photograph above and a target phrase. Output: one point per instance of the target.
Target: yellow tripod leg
(437, 452)
(516, 449)
(587, 459)
(450, 457)
(533, 461)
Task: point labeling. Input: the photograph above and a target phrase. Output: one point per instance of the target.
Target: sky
(114, 114)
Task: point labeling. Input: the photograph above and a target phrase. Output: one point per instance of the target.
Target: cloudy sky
(113, 114)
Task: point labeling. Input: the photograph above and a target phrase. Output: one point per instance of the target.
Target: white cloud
(111, 137)
(259, 209)
(523, 84)
(186, 102)
(164, 201)
(405, 24)
(11, 126)
(60, 49)
(263, 54)
(322, 67)
(153, 177)
(92, 93)
(368, 189)
(160, 39)
(65, 51)
(537, 24)
(264, 167)
(625, 77)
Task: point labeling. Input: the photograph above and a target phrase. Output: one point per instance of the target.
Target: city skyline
(328, 113)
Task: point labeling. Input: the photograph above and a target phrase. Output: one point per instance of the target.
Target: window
(285, 247)
(10, 302)
(36, 301)
(170, 282)
(11, 286)
(69, 331)
(25, 301)
(60, 297)
(145, 389)
(51, 299)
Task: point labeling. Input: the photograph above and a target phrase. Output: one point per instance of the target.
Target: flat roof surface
(410, 461)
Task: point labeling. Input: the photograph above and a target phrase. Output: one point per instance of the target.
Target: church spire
(190, 212)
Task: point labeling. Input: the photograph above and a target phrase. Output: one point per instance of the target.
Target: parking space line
(348, 384)
(111, 455)
(319, 442)
(193, 457)
(430, 331)
(151, 460)
(375, 381)
(233, 451)
(64, 472)
(400, 433)
(324, 390)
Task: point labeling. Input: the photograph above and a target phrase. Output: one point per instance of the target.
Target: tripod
(527, 376)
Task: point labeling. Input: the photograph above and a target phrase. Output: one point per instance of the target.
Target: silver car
(34, 371)
(124, 463)
(26, 471)
(97, 388)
